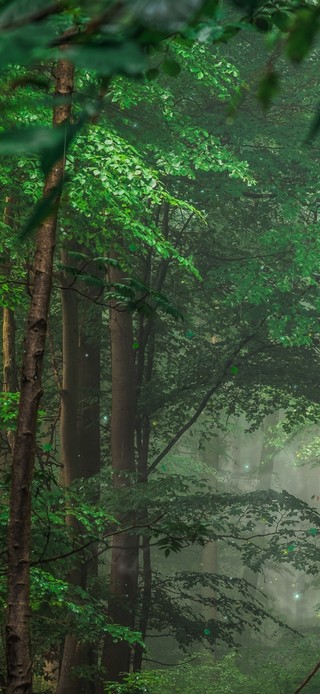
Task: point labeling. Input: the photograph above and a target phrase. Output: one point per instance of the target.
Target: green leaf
(268, 88)
(234, 369)
(152, 74)
(291, 548)
(47, 206)
(281, 20)
(31, 140)
(171, 67)
(315, 125)
(18, 10)
(24, 45)
(49, 143)
(303, 32)
(109, 59)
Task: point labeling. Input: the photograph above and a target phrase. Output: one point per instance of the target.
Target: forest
(160, 347)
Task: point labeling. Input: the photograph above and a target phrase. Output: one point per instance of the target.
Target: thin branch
(96, 539)
(203, 402)
(308, 678)
(189, 660)
(55, 8)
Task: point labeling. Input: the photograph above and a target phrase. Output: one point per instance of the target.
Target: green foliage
(8, 410)
(167, 184)
(256, 670)
(214, 678)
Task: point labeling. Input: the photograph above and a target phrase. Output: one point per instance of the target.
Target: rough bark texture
(124, 559)
(18, 646)
(10, 380)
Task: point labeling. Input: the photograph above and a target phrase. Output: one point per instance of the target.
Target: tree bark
(144, 372)
(124, 558)
(72, 652)
(9, 369)
(18, 645)
(80, 444)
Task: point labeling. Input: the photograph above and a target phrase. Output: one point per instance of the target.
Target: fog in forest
(159, 347)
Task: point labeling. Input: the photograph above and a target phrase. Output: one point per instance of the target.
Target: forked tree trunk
(18, 644)
(124, 558)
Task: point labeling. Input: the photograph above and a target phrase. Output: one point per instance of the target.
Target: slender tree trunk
(18, 645)
(124, 558)
(10, 378)
(210, 456)
(144, 372)
(10, 375)
(264, 480)
(143, 451)
(146, 603)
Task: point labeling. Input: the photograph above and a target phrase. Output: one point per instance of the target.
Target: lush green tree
(192, 218)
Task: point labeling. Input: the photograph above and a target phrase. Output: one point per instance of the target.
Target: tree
(18, 636)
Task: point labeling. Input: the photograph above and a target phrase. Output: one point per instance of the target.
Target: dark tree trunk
(144, 370)
(73, 652)
(146, 603)
(80, 443)
(18, 645)
(124, 558)
(90, 324)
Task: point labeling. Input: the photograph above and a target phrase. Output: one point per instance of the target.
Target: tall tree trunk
(10, 375)
(89, 445)
(18, 644)
(72, 652)
(264, 480)
(144, 372)
(143, 451)
(80, 443)
(210, 456)
(124, 558)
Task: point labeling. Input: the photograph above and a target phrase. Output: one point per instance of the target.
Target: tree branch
(308, 678)
(203, 402)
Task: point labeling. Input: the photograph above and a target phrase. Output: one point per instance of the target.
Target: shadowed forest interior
(160, 303)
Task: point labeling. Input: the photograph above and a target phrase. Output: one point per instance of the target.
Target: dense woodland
(160, 302)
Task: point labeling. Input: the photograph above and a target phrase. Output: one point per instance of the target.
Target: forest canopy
(159, 292)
